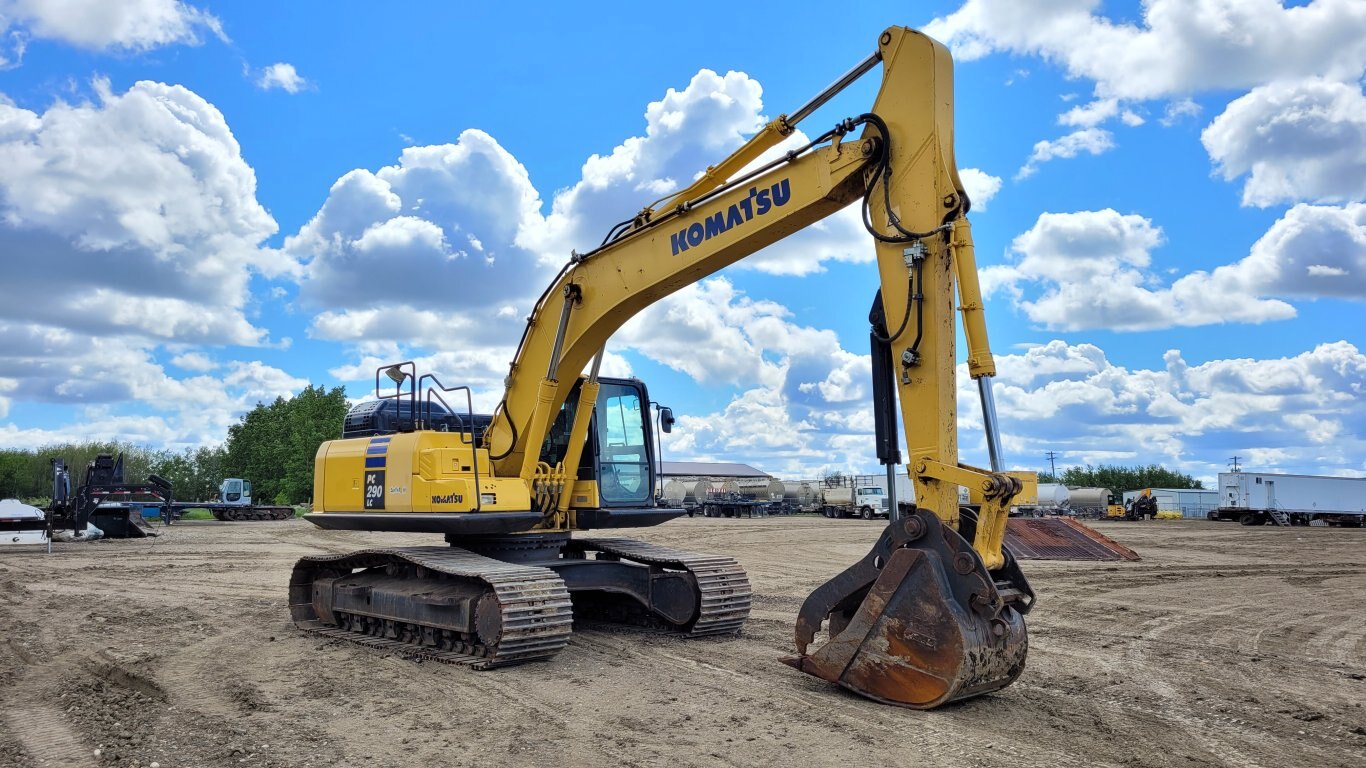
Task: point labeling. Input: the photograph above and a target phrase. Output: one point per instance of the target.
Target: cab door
(622, 432)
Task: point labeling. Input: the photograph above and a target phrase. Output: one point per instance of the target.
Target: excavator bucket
(919, 621)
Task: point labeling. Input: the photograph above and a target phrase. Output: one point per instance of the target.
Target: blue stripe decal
(377, 449)
(377, 440)
(374, 462)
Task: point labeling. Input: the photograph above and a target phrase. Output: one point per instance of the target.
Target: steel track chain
(725, 594)
(254, 514)
(537, 614)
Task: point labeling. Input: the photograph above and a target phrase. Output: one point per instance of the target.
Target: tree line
(1120, 479)
(272, 446)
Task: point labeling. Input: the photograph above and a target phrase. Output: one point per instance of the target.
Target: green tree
(194, 473)
(1120, 479)
(273, 446)
(14, 482)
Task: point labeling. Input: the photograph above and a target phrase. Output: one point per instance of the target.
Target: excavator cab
(619, 455)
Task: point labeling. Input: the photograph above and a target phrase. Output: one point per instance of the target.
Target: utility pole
(1234, 464)
(1052, 469)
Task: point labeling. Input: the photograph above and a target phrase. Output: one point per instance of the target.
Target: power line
(1234, 463)
(1052, 468)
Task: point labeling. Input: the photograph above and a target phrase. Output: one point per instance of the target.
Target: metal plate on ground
(1061, 538)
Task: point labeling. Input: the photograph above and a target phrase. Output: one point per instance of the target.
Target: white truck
(865, 501)
(1258, 498)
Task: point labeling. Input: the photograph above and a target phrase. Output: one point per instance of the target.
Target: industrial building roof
(708, 469)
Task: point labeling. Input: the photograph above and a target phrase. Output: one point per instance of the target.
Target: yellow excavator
(932, 614)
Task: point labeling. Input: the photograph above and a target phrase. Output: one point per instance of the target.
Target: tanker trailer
(799, 496)
(1054, 499)
(737, 497)
(675, 494)
(764, 489)
(1090, 502)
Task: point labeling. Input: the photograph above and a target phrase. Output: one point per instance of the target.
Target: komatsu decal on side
(758, 203)
(450, 498)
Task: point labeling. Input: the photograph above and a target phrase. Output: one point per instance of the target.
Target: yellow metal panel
(585, 495)
(410, 472)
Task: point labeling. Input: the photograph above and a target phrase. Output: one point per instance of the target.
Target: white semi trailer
(1258, 498)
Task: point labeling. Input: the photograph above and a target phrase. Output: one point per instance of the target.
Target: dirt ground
(1225, 645)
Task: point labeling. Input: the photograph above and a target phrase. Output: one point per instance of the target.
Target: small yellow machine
(1142, 506)
(932, 614)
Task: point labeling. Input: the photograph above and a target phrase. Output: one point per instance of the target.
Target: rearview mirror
(666, 420)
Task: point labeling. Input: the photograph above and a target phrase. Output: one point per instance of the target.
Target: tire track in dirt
(32, 716)
(727, 669)
(1161, 648)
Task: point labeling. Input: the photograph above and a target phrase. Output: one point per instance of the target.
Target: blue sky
(205, 205)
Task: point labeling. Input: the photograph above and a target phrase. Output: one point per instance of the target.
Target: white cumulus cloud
(130, 226)
(120, 392)
(400, 240)
(1301, 140)
(685, 132)
(145, 206)
(100, 24)
(1177, 48)
(194, 361)
(1092, 141)
(446, 248)
(1302, 413)
(283, 76)
(1094, 270)
(980, 186)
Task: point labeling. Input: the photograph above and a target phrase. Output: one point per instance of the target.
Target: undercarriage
(490, 601)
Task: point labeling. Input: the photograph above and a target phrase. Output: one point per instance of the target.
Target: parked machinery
(1179, 503)
(234, 504)
(1140, 507)
(933, 613)
(765, 489)
(105, 500)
